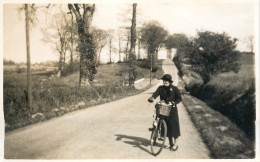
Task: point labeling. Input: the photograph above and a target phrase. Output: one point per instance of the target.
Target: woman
(170, 93)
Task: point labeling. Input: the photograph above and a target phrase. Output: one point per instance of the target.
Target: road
(116, 130)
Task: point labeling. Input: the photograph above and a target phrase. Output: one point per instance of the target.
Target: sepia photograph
(130, 80)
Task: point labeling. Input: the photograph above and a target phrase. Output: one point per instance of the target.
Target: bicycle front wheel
(158, 137)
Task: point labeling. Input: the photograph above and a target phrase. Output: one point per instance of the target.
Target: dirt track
(114, 130)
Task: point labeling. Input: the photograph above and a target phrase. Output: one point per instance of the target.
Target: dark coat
(169, 94)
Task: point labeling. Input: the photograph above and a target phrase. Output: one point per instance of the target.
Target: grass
(244, 78)
(231, 97)
(53, 96)
(223, 138)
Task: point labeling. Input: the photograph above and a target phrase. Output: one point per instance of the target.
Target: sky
(236, 18)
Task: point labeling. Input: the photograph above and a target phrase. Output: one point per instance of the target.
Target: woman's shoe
(167, 146)
(160, 138)
(174, 148)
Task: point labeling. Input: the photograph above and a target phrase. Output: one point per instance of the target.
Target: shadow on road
(135, 141)
(148, 93)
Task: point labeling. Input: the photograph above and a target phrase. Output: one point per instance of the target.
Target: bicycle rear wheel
(158, 137)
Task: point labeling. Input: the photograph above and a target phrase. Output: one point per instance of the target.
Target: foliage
(69, 69)
(223, 138)
(232, 94)
(50, 93)
(153, 36)
(132, 56)
(212, 53)
(100, 39)
(86, 44)
(176, 41)
(144, 63)
(250, 43)
(59, 33)
(8, 62)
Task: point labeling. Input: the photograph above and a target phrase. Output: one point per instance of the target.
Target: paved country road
(116, 130)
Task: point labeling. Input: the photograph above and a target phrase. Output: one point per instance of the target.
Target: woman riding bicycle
(170, 93)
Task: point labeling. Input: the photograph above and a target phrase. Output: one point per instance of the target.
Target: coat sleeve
(178, 98)
(156, 93)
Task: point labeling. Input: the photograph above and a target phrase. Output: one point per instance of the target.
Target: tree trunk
(100, 54)
(71, 51)
(132, 57)
(139, 48)
(119, 50)
(110, 49)
(62, 57)
(156, 53)
(60, 65)
(86, 44)
(126, 50)
(27, 27)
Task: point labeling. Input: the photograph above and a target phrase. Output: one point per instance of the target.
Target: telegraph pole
(27, 28)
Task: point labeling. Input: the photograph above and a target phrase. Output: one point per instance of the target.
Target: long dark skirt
(173, 126)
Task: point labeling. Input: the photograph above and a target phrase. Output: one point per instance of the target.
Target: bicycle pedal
(151, 129)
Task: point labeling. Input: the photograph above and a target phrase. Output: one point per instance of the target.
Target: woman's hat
(167, 77)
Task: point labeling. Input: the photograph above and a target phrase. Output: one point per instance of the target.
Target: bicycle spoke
(158, 137)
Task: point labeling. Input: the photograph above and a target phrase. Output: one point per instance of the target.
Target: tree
(138, 35)
(110, 39)
(127, 35)
(8, 62)
(175, 41)
(125, 17)
(132, 57)
(84, 15)
(211, 53)
(250, 43)
(72, 39)
(60, 36)
(120, 40)
(100, 39)
(153, 36)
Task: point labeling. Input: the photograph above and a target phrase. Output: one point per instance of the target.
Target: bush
(212, 53)
(51, 94)
(146, 64)
(232, 94)
(68, 69)
(20, 69)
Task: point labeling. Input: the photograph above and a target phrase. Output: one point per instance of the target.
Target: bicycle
(159, 130)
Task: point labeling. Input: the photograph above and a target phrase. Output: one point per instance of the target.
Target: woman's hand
(151, 99)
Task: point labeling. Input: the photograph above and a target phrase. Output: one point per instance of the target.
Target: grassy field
(244, 78)
(52, 96)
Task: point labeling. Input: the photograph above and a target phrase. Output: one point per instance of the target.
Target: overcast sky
(237, 18)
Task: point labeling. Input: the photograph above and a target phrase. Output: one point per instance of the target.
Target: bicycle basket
(163, 109)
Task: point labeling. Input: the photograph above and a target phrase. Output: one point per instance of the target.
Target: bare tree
(138, 36)
(59, 36)
(127, 35)
(72, 38)
(84, 15)
(110, 39)
(120, 40)
(251, 42)
(132, 57)
(125, 17)
(100, 39)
